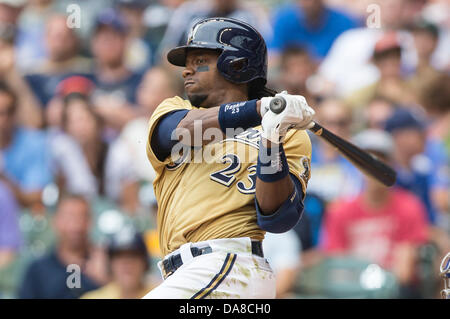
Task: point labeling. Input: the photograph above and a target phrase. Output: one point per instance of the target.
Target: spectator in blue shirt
(26, 168)
(115, 84)
(49, 276)
(309, 24)
(414, 168)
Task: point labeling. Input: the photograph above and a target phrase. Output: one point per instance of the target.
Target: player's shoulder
(176, 102)
(170, 104)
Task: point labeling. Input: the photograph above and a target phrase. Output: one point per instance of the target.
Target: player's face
(202, 81)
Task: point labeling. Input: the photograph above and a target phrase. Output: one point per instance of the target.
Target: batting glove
(297, 114)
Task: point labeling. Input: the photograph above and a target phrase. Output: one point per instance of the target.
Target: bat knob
(277, 104)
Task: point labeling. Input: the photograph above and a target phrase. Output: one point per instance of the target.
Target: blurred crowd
(79, 80)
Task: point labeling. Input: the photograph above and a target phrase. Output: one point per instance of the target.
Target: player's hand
(297, 114)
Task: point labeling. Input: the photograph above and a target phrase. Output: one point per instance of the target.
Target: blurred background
(80, 79)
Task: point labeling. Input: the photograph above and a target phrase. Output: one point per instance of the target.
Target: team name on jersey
(249, 137)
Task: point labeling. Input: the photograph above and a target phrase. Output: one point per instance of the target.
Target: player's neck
(232, 93)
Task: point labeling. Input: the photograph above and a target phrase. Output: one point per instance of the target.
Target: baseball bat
(366, 162)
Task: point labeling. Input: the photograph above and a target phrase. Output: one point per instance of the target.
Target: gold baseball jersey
(209, 192)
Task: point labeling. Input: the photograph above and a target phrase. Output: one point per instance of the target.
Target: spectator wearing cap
(50, 277)
(310, 24)
(381, 225)
(63, 59)
(128, 265)
(115, 84)
(391, 83)
(26, 161)
(416, 171)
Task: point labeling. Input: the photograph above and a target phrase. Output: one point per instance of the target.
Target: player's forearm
(195, 123)
(198, 121)
(278, 198)
(271, 195)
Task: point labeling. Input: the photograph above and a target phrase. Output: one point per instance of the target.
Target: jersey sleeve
(297, 147)
(167, 106)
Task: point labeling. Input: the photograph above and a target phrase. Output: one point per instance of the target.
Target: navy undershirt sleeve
(287, 216)
(161, 141)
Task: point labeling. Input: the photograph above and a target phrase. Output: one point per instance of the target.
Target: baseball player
(218, 196)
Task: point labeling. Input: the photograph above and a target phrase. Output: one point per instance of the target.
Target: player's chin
(197, 99)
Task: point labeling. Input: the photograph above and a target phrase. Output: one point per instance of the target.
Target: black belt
(172, 263)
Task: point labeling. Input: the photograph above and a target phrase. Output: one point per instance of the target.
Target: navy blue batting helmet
(243, 57)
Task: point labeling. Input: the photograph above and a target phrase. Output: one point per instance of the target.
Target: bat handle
(277, 104)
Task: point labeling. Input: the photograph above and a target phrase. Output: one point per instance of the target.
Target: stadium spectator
(85, 13)
(25, 154)
(381, 225)
(63, 59)
(157, 84)
(391, 83)
(426, 36)
(10, 237)
(296, 67)
(416, 171)
(49, 276)
(333, 176)
(115, 85)
(128, 264)
(376, 113)
(9, 14)
(115, 176)
(29, 112)
(69, 165)
(156, 19)
(190, 12)
(435, 99)
(140, 49)
(347, 65)
(310, 24)
(30, 43)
